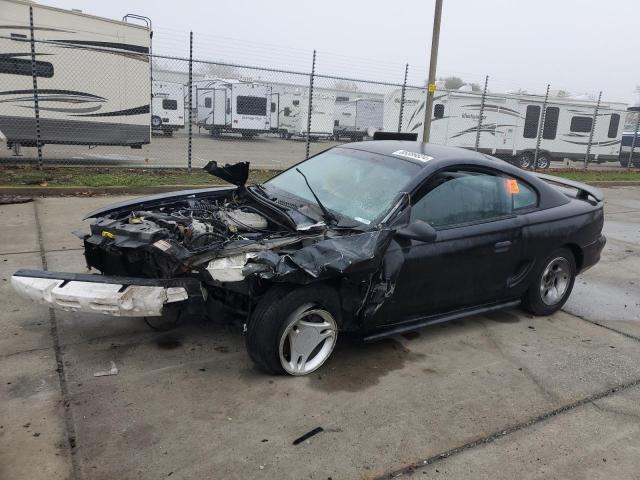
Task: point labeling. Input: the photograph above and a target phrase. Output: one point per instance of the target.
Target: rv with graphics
(233, 106)
(510, 124)
(294, 108)
(167, 107)
(93, 77)
(358, 118)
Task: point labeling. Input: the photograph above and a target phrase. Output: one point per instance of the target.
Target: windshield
(359, 185)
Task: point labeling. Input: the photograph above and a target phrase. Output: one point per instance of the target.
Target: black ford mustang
(375, 238)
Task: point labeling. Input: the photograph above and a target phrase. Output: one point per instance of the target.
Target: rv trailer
(93, 77)
(510, 125)
(233, 106)
(167, 107)
(358, 118)
(294, 108)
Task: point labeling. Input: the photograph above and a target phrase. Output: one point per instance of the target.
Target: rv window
(287, 111)
(550, 123)
(342, 99)
(20, 66)
(207, 102)
(296, 103)
(229, 106)
(438, 110)
(613, 125)
(169, 104)
(251, 105)
(273, 107)
(531, 122)
(581, 124)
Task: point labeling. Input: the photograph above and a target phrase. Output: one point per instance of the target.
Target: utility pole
(431, 84)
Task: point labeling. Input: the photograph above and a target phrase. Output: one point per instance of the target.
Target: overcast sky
(581, 46)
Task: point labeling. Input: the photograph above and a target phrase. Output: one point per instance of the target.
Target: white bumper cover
(94, 297)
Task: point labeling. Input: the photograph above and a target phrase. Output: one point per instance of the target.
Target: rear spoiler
(584, 191)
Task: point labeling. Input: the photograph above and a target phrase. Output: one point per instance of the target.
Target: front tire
(543, 161)
(294, 330)
(525, 159)
(552, 285)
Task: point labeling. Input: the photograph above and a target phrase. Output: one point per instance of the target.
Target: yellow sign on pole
(431, 88)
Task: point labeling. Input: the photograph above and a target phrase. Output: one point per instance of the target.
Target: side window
(228, 106)
(169, 104)
(296, 103)
(459, 197)
(522, 195)
(438, 110)
(550, 123)
(207, 102)
(273, 107)
(581, 124)
(531, 120)
(613, 125)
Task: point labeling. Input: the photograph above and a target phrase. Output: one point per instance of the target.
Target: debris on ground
(10, 199)
(308, 435)
(112, 371)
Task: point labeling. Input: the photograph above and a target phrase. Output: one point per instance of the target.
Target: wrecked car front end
(202, 249)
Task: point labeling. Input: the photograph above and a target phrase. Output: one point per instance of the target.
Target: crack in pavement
(62, 377)
(607, 327)
(590, 399)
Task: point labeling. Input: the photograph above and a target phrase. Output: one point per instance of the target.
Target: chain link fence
(68, 103)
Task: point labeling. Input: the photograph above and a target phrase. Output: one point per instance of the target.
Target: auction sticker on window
(415, 156)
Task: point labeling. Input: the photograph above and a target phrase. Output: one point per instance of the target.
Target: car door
(476, 251)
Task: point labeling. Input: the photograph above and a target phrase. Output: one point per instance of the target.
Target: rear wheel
(156, 122)
(294, 331)
(553, 284)
(543, 161)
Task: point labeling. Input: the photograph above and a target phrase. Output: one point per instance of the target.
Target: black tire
(271, 316)
(533, 301)
(525, 160)
(544, 161)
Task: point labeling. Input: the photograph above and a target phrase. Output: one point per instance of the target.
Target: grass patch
(114, 177)
(148, 177)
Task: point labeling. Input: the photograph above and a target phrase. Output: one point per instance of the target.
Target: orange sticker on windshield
(511, 184)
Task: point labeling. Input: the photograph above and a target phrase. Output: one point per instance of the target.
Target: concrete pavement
(500, 396)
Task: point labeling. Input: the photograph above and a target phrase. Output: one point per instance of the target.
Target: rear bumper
(591, 253)
(116, 296)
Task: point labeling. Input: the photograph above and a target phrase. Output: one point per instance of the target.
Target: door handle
(502, 246)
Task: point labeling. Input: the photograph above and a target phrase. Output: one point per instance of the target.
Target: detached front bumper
(116, 296)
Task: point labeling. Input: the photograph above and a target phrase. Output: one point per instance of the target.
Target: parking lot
(500, 396)
(264, 152)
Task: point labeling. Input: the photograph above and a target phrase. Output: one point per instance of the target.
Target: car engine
(173, 238)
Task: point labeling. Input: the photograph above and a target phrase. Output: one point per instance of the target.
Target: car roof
(443, 156)
(437, 152)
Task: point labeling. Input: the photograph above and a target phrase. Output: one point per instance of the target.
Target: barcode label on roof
(416, 156)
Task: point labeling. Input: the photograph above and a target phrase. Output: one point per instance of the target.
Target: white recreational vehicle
(510, 124)
(167, 107)
(233, 106)
(93, 78)
(358, 118)
(294, 108)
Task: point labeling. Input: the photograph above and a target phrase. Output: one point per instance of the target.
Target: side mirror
(418, 230)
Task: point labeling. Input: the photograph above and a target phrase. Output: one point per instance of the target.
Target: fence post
(190, 99)
(482, 100)
(635, 137)
(313, 72)
(34, 77)
(593, 127)
(404, 89)
(543, 118)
